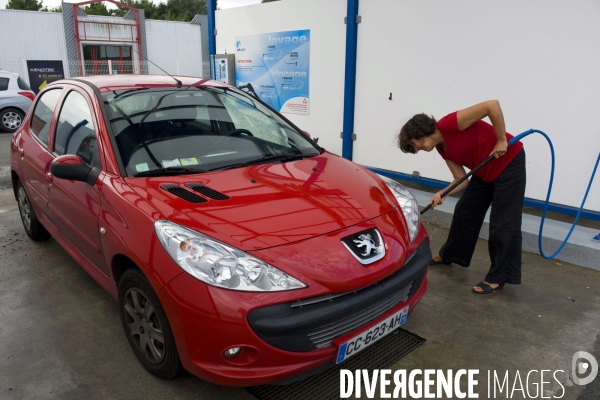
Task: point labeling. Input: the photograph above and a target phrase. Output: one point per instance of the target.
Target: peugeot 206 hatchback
(237, 248)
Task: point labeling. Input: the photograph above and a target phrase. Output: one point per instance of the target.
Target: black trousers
(505, 195)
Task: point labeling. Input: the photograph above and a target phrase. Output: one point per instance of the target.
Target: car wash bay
(60, 335)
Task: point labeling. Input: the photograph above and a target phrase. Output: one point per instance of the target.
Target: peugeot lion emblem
(366, 246)
(365, 240)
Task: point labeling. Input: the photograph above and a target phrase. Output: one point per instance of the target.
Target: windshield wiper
(275, 157)
(169, 171)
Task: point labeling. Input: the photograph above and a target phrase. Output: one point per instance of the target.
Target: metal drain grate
(326, 385)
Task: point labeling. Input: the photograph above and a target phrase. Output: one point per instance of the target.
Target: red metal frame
(137, 39)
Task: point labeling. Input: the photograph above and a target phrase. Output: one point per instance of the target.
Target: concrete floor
(4, 160)
(61, 338)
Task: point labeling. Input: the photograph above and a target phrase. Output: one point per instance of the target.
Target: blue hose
(529, 132)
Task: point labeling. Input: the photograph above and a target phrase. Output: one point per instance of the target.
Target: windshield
(198, 129)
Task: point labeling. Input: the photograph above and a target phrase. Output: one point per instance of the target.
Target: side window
(4, 84)
(75, 132)
(42, 115)
(22, 84)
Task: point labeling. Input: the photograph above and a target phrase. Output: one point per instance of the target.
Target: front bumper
(307, 325)
(206, 321)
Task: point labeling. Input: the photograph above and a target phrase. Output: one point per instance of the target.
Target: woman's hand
(500, 148)
(436, 200)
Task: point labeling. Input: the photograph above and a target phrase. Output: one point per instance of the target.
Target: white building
(92, 44)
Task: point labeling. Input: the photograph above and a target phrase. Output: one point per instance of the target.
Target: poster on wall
(277, 66)
(41, 73)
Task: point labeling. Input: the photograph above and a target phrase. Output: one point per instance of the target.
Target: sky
(222, 3)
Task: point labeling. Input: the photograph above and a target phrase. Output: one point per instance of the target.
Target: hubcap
(144, 326)
(24, 209)
(11, 120)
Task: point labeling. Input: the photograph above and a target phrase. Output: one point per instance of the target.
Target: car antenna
(179, 84)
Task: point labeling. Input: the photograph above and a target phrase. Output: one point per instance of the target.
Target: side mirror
(71, 167)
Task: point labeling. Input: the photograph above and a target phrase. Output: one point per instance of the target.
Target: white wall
(539, 58)
(175, 47)
(31, 35)
(169, 44)
(325, 19)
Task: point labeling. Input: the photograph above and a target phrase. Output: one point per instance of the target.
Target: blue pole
(350, 78)
(212, 45)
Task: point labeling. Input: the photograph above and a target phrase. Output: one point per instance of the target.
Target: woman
(463, 140)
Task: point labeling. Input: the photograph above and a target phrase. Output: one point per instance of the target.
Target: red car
(236, 246)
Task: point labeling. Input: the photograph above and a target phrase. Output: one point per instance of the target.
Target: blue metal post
(212, 45)
(350, 78)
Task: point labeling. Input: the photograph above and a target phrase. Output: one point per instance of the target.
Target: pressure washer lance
(250, 89)
(461, 180)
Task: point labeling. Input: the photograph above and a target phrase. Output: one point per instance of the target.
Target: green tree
(185, 10)
(151, 10)
(57, 9)
(97, 9)
(30, 5)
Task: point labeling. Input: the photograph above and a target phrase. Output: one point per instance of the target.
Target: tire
(32, 225)
(10, 119)
(146, 326)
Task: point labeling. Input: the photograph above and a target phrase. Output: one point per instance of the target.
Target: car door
(75, 205)
(32, 145)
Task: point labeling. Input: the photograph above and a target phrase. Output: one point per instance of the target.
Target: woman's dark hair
(417, 127)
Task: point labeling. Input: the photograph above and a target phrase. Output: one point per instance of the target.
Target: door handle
(21, 151)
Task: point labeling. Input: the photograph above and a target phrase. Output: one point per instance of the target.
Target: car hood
(270, 205)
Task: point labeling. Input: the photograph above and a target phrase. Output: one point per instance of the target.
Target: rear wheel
(33, 227)
(146, 326)
(10, 119)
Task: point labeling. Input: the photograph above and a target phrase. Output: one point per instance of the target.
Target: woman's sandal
(486, 289)
(433, 262)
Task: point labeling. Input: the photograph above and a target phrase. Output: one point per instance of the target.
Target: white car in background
(15, 99)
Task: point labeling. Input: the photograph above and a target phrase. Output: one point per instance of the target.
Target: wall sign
(41, 73)
(277, 66)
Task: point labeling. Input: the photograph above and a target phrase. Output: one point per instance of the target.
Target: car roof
(3, 72)
(107, 83)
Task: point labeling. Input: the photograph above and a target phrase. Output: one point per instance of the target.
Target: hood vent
(206, 191)
(184, 194)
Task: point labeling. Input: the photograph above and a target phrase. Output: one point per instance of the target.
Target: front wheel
(10, 119)
(146, 326)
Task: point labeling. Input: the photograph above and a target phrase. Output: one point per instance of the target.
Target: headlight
(220, 265)
(407, 202)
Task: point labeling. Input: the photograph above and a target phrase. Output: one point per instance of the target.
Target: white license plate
(372, 335)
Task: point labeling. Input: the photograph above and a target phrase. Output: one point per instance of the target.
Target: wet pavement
(5, 160)
(61, 337)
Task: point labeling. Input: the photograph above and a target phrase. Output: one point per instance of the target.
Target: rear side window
(75, 132)
(4, 84)
(42, 115)
(22, 84)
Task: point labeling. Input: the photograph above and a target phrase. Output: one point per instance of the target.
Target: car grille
(323, 336)
(311, 323)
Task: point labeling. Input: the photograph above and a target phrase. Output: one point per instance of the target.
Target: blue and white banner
(277, 66)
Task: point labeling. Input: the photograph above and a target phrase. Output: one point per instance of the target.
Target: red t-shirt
(473, 145)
